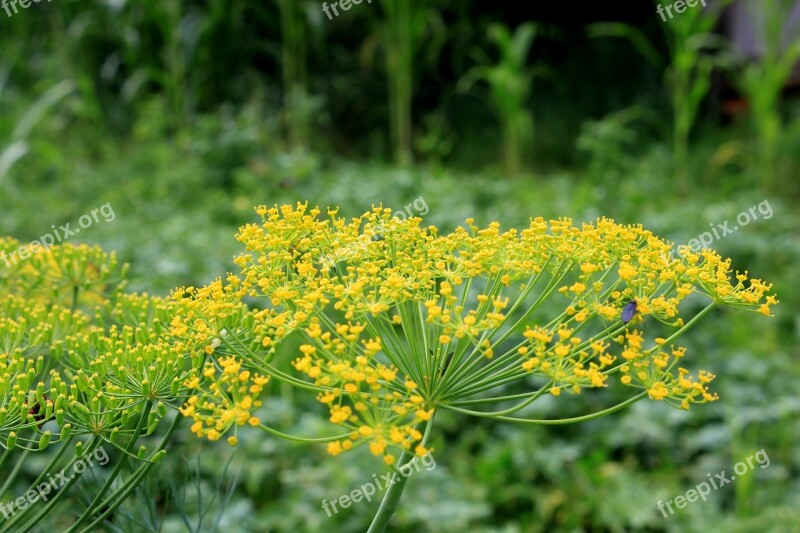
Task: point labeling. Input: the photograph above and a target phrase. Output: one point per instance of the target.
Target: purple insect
(628, 311)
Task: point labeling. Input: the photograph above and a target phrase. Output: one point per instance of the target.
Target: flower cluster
(398, 321)
(363, 394)
(385, 321)
(78, 357)
(233, 392)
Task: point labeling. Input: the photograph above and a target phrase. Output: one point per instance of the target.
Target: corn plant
(407, 28)
(295, 76)
(694, 52)
(762, 80)
(510, 82)
(692, 48)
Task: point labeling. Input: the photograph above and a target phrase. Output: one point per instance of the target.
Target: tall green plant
(399, 322)
(295, 74)
(691, 48)
(762, 80)
(16, 146)
(403, 36)
(509, 81)
(693, 54)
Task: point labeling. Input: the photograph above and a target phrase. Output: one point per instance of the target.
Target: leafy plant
(762, 80)
(693, 54)
(398, 323)
(298, 104)
(402, 34)
(611, 142)
(510, 81)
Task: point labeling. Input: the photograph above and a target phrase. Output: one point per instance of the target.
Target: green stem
(13, 475)
(93, 506)
(395, 491)
(494, 399)
(124, 491)
(52, 465)
(532, 398)
(304, 440)
(75, 291)
(46, 509)
(554, 422)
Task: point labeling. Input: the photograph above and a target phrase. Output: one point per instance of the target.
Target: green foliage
(408, 28)
(175, 118)
(612, 143)
(693, 54)
(762, 81)
(15, 145)
(510, 83)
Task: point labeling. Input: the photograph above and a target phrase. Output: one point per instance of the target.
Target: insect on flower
(447, 361)
(629, 311)
(36, 412)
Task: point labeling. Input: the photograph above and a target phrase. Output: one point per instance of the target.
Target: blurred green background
(184, 114)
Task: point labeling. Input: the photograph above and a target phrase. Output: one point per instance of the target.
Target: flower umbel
(399, 321)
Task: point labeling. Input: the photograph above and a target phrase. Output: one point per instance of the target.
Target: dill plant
(82, 365)
(399, 322)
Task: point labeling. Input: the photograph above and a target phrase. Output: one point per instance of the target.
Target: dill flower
(399, 321)
(83, 364)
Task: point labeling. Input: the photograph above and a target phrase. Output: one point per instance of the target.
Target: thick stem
(395, 491)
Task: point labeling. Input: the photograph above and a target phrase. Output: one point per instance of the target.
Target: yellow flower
(377, 446)
(375, 297)
(658, 391)
(421, 450)
(335, 448)
(422, 414)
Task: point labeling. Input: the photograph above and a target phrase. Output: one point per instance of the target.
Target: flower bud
(44, 440)
(78, 406)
